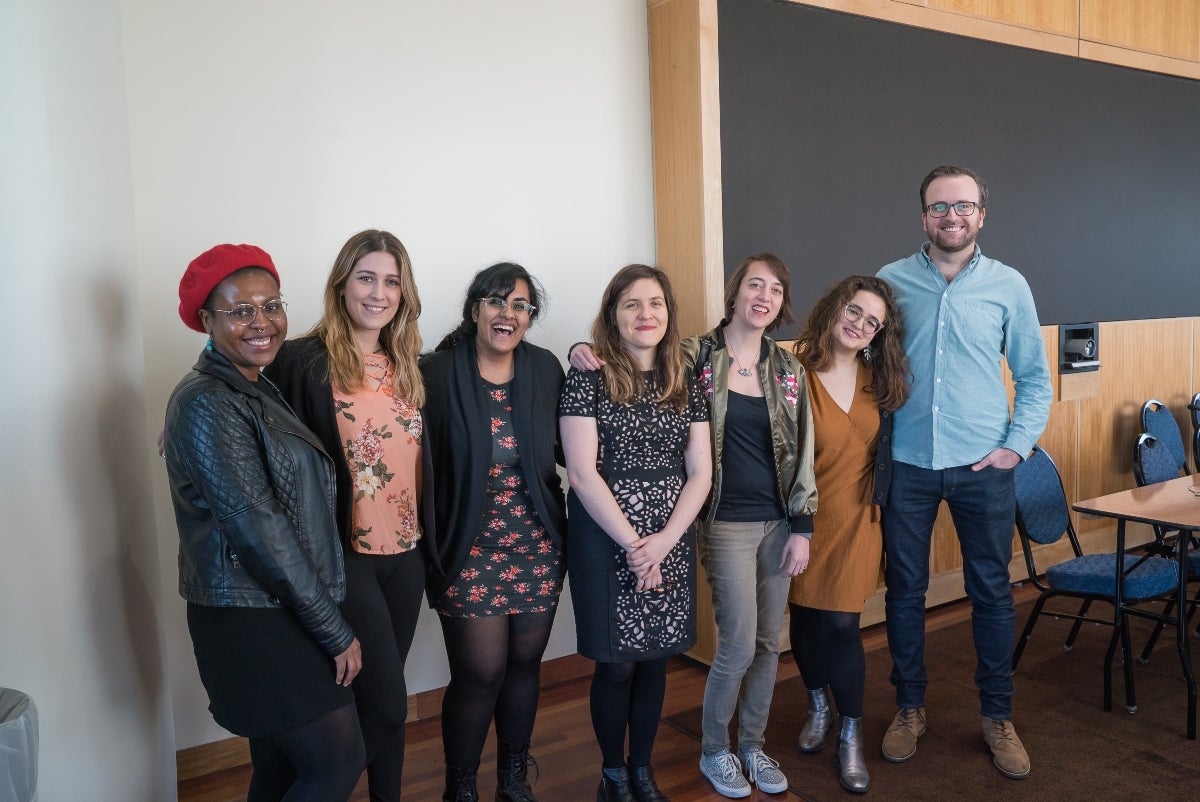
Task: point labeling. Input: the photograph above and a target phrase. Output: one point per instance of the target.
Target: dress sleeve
(697, 407)
(580, 394)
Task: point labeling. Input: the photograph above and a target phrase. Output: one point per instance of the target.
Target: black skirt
(262, 670)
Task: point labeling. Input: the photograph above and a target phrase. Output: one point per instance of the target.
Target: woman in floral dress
(354, 381)
(495, 512)
(636, 440)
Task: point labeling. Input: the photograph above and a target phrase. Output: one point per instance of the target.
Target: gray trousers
(749, 596)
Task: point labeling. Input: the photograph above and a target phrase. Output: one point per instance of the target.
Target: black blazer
(458, 450)
(301, 372)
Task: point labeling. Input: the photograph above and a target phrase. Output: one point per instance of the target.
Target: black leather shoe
(644, 787)
(615, 786)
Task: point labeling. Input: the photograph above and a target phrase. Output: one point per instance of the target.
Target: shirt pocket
(981, 323)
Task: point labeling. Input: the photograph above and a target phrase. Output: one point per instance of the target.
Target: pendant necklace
(742, 369)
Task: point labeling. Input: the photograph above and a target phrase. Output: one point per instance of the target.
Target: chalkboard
(829, 122)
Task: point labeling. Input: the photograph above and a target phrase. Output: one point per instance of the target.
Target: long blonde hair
(400, 338)
(622, 377)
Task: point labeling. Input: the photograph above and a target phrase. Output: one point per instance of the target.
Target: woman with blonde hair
(635, 435)
(353, 379)
(857, 377)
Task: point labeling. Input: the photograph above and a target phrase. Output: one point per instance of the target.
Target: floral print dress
(513, 566)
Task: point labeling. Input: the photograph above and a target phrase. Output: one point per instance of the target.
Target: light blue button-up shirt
(956, 334)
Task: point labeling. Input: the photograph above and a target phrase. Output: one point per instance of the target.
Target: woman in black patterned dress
(636, 440)
(495, 516)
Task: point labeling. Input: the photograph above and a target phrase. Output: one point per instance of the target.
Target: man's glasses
(961, 208)
(517, 306)
(273, 310)
(855, 314)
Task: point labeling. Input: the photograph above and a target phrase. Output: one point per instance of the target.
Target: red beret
(209, 269)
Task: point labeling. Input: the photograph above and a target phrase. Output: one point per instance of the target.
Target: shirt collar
(924, 252)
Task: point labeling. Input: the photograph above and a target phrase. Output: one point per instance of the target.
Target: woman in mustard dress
(856, 373)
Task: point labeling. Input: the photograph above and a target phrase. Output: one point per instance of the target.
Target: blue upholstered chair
(1043, 519)
(1159, 423)
(1194, 409)
(1152, 463)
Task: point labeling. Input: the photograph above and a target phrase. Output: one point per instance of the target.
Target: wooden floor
(564, 745)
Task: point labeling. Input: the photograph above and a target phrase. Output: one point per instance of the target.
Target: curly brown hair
(814, 346)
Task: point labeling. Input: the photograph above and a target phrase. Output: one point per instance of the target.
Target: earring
(866, 353)
(208, 346)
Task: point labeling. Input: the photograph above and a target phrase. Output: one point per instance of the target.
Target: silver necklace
(742, 369)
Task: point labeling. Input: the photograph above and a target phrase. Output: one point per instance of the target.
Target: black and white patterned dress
(641, 458)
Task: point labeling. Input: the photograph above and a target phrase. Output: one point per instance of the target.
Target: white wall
(474, 130)
(79, 565)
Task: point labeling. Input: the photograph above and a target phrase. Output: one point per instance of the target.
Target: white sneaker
(725, 773)
(764, 772)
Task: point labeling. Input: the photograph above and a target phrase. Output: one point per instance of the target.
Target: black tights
(495, 671)
(628, 696)
(827, 647)
(320, 761)
(383, 601)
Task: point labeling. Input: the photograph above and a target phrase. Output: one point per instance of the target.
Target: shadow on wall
(121, 543)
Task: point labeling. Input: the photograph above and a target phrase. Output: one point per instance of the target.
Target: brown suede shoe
(1008, 753)
(900, 741)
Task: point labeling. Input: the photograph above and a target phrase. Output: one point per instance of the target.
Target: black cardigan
(458, 450)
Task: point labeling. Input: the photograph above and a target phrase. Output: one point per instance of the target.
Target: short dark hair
(777, 267)
(498, 281)
(950, 170)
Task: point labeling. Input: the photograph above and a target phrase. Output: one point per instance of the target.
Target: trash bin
(18, 747)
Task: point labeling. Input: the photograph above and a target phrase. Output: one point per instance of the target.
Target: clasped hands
(644, 558)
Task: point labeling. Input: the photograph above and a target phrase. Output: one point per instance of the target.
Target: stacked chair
(1158, 456)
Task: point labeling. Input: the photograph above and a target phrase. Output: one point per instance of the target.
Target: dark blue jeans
(983, 507)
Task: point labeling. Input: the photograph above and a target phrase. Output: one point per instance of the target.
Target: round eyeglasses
(273, 310)
(854, 314)
(961, 208)
(497, 302)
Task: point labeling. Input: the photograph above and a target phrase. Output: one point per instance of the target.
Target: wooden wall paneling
(1139, 360)
(1055, 16)
(1164, 27)
(924, 15)
(685, 121)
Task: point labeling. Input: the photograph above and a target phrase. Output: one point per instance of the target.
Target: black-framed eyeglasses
(273, 310)
(854, 314)
(496, 302)
(961, 208)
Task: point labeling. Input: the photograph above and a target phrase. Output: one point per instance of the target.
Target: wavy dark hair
(780, 271)
(498, 280)
(622, 376)
(814, 346)
(400, 338)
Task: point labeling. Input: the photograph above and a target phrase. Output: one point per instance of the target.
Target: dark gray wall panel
(830, 121)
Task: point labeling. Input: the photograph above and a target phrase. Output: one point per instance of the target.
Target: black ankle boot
(614, 786)
(644, 787)
(460, 785)
(512, 767)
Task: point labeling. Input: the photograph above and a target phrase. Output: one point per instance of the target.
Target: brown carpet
(1078, 751)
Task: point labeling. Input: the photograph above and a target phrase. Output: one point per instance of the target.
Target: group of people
(323, 485)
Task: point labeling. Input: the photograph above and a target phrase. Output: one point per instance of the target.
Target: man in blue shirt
(956, 439)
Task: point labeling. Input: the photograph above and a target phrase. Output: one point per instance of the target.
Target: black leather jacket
(254, 502)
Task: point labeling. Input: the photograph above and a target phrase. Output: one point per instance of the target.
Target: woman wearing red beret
(260, 562)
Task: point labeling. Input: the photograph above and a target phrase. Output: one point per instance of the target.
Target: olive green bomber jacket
(786, 394)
